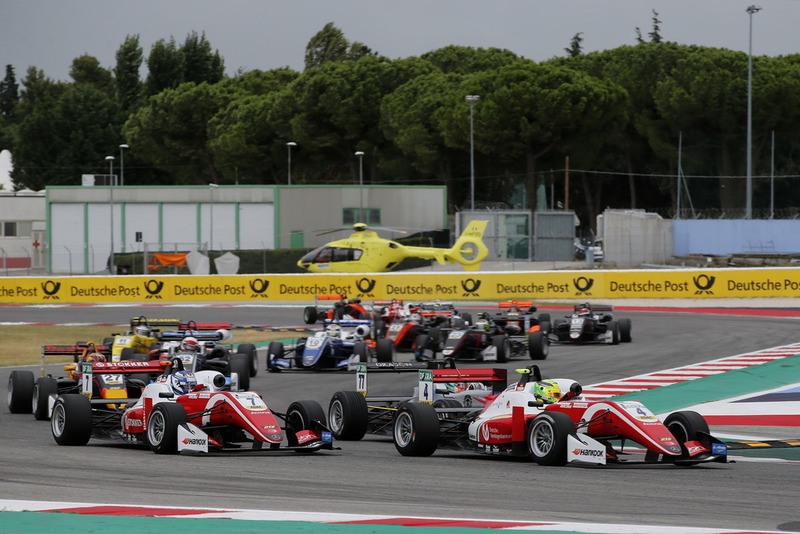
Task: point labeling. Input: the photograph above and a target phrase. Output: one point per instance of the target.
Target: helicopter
(366, 251)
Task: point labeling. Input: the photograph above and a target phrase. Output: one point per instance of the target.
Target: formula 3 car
(337, 347)
(549, 422)
(353, 308)
(183, 412)
(488, 341)
(590, 324)
(353, 414)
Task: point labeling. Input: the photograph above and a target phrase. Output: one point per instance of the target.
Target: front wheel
(503, 347)
(613, 327)
(348, 415)
(275, 351)
(385, 350)
(240, 364)
(547, 438)
(309, 315)
(71, 423)
(301, 415)
(162, 427)
(416, 429)
(42, 390)
(538, 345)
(361, 351)
(20, 391)
(625, 330)
(249, 350)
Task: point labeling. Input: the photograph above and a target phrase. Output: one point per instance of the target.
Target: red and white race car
(550, 422)
(181, 411)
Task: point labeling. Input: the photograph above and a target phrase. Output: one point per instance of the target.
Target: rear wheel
(625, 330)
(538, 345)
(385, 350)
(162, 427)
(435, 339)
(250, 350)
(128, 354)
(503, 347)
(20, 391)
(348, 415)
(310, 315)
(416, 429)
(42, 390)
(547, 438)
(240, 364)
(71, 423)
(421, 343)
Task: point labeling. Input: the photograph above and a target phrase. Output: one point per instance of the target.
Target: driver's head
(190, 344)
(547, 391)
(142, 330)
(182, 382)
(94, 357)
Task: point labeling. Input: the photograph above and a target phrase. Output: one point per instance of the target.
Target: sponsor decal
(195, 441)
(135, 422)
(582, 285)
(470, 287)
(366, 286)
(588, 452)
(693, 448)
(258, 286)
(50, 289)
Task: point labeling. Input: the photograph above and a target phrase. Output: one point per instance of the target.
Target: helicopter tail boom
(468, 249)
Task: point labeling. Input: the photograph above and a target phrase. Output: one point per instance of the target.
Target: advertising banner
(417, 286)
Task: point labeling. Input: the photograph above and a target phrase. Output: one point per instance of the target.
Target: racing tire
(361, 350)
(71, 423)
(625, 330)
(416, 429)
(467, 317)
(134, 391)
(309, 315)
(240, 363)
(544, 318)
(385, 350)
(162, 427)
(42, 389)
(20, 391)
(128, 354)
(685, 426)
(348, 415)
(613, 327)
(421, 342)
(435, 340)
(274, 351)
(538, 345)
(301, 415)
(108, 342)
(250, 350)
(547, 438)
(503, 346)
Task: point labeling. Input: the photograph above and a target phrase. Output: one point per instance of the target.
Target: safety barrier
(417, 286)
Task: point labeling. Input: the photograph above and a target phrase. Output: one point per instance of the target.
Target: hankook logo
(50, 289)
(583, 285)
(259, 287)
(703, 283)
(153, 288)
(470, 287)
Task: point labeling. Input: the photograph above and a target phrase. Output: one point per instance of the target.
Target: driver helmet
(334, 330)
(456, 387)
(547, 391)
(94, 357)
(143, 330)
(190, 344)
(182, 382)
(416, 317)
(584, 311)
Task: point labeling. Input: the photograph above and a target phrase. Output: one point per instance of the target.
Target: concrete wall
(633, 237)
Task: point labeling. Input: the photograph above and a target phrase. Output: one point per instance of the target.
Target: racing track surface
(371, 477)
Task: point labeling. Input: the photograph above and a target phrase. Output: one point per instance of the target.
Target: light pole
(110, 159)
(289, 146)
(749, 193)
(211, 188)
(360, 156)
(122, 164)
(471, 99)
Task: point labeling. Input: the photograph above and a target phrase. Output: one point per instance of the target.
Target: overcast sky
(267, 34)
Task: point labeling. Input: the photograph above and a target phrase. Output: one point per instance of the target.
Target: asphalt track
(758, 492)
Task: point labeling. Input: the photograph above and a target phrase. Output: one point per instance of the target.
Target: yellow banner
(417, 286)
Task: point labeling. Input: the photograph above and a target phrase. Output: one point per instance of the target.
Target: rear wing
(178, 335)
(178, 324)
(76, 351)
(523, 305)
(437, 371)
(594, 307)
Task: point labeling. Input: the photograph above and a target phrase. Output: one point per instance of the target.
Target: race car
(550, 422)
(181, 411)
(353, 308)
(338, 346)
(486, 340)
(353, 414)
(27, 394)
(412, 327)
(590, 324)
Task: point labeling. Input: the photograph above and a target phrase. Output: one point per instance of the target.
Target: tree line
(620, 120)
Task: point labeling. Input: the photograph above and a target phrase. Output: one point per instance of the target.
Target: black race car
(590, 324)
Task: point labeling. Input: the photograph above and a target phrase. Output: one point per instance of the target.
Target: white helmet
(190, 344)
(334, 330)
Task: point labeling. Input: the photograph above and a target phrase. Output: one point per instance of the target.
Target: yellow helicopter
(364, 252)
